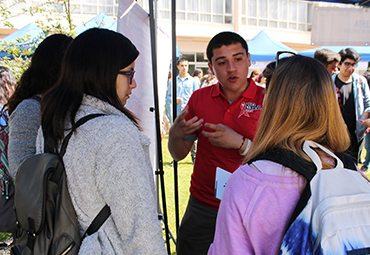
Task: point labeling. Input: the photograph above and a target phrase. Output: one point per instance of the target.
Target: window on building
(216, 11)
(280, 14)
(94, 7)
(196, 60)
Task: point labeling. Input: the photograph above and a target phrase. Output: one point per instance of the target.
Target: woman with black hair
(107, 158)
(24, 105)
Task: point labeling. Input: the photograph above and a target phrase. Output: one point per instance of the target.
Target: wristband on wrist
(242, 143)
(247, 148)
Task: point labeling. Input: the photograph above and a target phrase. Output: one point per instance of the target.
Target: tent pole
(174, 108)
(153, 29)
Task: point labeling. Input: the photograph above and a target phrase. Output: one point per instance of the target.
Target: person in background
(107, 159)
(366, 163)
(367, 75)
(267, 73)
(7, 87)
(167, 108)
(24, 105)
(260, 198)
(223, 118)
(208, 79)
(255, 74)
(197, 75)
(186, 85)
(261, 80)
(354, 100)
(329, 59)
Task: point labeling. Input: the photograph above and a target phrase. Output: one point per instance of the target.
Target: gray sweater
(23, 127)
(107, 162)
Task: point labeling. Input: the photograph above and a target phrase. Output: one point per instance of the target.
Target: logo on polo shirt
(247, 108)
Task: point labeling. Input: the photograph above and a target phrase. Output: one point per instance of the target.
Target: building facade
(288, 21)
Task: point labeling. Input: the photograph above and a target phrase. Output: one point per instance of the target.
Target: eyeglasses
(130, 73)
(283, 54)
(348, 64)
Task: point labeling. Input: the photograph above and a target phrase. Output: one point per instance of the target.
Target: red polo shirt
(242, 116)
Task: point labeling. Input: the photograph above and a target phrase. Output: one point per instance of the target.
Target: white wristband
(249, 143)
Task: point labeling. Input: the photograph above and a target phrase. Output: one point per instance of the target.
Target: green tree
(56, 18)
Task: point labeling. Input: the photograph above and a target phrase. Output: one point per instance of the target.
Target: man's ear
(249, 59)
(211, 68)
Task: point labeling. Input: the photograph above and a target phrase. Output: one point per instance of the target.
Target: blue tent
(364, 51)
(101, 21)
(264, 48)
(31, 30)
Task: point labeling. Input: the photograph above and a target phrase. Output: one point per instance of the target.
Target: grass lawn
(184, 170)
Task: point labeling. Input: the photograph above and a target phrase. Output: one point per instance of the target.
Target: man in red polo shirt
(224, 118)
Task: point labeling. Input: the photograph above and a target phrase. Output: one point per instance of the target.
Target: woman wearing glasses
(260, 197)
(107, 159)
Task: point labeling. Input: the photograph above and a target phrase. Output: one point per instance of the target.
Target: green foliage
(5, 13)
(56, 19)
(18, 59)
(4, 236)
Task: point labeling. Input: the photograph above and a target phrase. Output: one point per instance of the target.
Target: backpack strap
(289, 159)
(80, 122)
(295, 162)
(105, 212)
(306, 168)
(98, 221)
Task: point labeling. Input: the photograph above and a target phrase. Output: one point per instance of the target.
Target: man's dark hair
(224, 38)
(181, 60)
(326, 56)
(349, 53)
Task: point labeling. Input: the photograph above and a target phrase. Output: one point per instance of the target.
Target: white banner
(340, 26)
(133, 22)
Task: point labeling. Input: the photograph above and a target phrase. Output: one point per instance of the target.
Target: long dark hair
(90, 66)
(44, 69)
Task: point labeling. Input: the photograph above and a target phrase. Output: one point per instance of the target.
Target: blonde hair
(300, 105)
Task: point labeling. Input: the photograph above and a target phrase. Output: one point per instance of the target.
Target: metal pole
(174, 107)
(153, 29)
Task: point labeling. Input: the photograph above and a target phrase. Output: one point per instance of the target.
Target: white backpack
(336, 218)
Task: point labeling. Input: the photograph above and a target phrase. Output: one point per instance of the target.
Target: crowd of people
(224, 119)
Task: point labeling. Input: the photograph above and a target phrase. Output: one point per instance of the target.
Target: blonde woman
(260, 198)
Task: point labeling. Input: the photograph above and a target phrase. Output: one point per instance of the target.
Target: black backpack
(331, 216)
(46, 219)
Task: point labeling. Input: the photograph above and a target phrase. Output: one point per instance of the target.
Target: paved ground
(4, 250)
